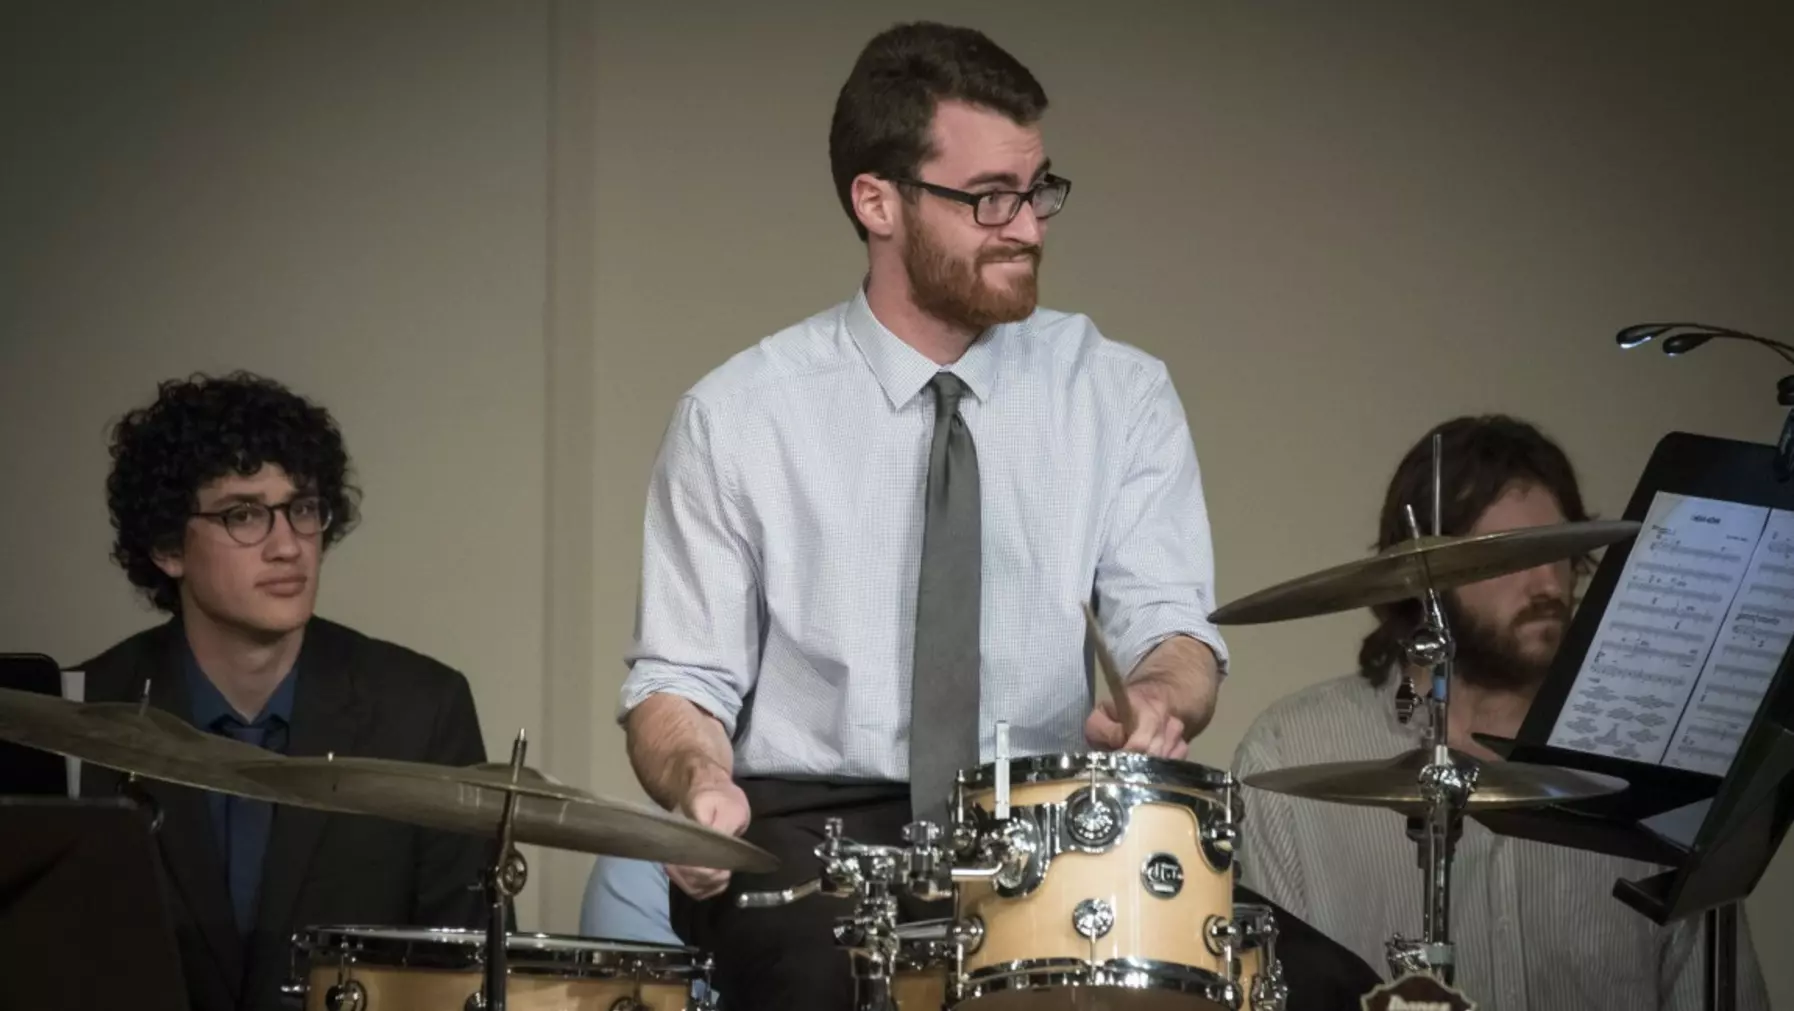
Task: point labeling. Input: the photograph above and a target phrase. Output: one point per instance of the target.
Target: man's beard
(952, 290)
(1494, 658)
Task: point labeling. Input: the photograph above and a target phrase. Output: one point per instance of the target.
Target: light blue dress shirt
(626, 900)
(783, 536)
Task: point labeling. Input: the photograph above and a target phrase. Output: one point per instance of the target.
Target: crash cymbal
(472, 800)
(1394, 783)
(1401, 572)
(129, 738)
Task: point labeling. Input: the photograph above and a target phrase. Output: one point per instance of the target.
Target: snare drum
(403, 969)
(1126, 894)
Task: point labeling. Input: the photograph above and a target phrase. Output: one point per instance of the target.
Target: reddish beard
(954, 291)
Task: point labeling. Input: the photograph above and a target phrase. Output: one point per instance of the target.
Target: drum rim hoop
(456, 948)
(1117, 766)
(1119, 973)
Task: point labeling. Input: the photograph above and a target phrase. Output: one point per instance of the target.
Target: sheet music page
(1751, 643)
(1660, 627)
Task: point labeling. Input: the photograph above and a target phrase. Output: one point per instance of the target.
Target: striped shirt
(1536, 927)
(783, 536)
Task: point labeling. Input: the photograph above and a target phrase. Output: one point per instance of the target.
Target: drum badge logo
(1162, 875)
(1415, 992)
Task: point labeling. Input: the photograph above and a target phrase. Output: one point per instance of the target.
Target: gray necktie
(943, 735)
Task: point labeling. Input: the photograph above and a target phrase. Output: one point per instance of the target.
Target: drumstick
(1111, 674)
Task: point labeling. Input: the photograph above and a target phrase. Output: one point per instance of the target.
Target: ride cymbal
(472, 800)
(1403, 571)
(131, 738)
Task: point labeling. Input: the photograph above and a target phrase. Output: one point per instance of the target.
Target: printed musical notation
(1752, 640)
(1672, 603)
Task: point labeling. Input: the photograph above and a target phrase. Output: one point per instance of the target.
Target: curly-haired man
(225, 494)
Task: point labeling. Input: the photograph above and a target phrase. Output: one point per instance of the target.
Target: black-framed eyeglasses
(995, 208)
(250, 523)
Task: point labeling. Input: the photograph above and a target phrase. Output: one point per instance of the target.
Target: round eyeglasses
(250, 523)
(995, 208)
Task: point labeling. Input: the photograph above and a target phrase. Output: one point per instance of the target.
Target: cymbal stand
(132, 790)
(502, 881)
(1445, 783)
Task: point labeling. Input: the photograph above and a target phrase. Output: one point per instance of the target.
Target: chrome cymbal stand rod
(1445, 784)
(503, 880)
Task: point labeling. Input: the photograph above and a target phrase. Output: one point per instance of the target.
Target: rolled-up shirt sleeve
(697, 622)
(1155, 575)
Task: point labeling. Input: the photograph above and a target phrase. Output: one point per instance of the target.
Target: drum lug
(346, 996)
(1094, 819)
(1023, 853)
(1093, 918)
(968, 934)
(1221, 937)
(1219, 835)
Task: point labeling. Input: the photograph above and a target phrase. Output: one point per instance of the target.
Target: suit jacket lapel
(189, 846)
(329, 716)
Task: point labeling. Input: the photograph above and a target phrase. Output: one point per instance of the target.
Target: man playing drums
(869, 537)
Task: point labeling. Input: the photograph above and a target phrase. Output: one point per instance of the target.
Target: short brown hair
(1482, 457)
(885, 110)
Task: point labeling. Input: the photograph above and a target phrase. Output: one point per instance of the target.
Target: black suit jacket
(355, 696)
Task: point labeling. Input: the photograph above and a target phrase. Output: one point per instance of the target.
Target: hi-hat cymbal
(132, 739)
(1394, 783)
(472, 800)
(1402, 571)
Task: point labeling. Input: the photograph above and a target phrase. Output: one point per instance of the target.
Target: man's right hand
(719, 805)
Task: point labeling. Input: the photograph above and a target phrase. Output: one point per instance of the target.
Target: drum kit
(1104, 881)
(1079, 880)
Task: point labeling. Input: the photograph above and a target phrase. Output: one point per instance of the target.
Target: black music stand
(27, 770)
(83, 920)
(1715, 855)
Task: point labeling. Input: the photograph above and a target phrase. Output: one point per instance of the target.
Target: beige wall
(351, 200)
(1337, 223)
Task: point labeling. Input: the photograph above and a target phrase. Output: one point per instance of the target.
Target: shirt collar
(903, 371)
(209, 704)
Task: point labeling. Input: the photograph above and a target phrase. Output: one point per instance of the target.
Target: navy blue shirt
(241, 826)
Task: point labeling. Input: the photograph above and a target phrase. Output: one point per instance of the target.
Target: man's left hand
(1157, 730)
